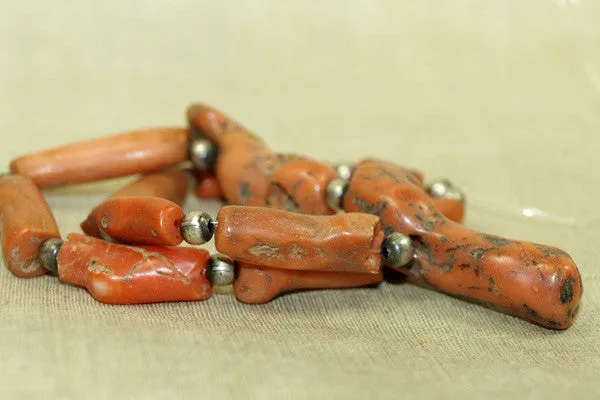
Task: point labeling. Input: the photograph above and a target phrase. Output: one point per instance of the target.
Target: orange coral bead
(419, 175)
(25, 222)
(452, 209)
(249, 173)
(280, 239)
(258, 285)
(118, 274)
(240, 163)
(172, 185)
(140, 220)
(538, 283)
(305, 181)
(207, 186)
(110, 157)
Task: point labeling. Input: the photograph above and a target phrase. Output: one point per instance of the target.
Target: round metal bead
(397, 250)
(344, 169)
(446, 189)
(203, 153)
(220, 270)
(48, 252)
(197, 227)
(336, 190)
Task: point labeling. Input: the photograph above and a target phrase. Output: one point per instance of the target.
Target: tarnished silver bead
(397, 250)
(197, 227)
(336, 190)
(444, 188)
(48, 252)
(220, 270)
(203, 153)
(343, 169)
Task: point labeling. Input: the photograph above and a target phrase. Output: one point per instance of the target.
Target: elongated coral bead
(110, 157)
(171, 185)
(280, 239)
(140, 220)
(119, 274)
(25, 222)
(249, 173)
(258, 285)
(305, 181)
(536, 282)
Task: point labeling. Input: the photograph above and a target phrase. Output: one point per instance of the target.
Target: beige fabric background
(501, 96)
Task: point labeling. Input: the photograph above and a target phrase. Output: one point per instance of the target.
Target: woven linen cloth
(503, 97)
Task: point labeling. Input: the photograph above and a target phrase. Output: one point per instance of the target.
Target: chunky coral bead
(119, 274)
(258, 285)
(280, 239)
(538, 283)
(140, 220)
(172, 185)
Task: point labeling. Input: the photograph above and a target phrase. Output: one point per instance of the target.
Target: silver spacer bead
(197, 227)
(344, 169)
(444, 188)
(336, 190)
(397, 250)
(220, 270)
(203, 153)
(48, 252)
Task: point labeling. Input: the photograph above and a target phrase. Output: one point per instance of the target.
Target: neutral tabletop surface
(503, 97)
